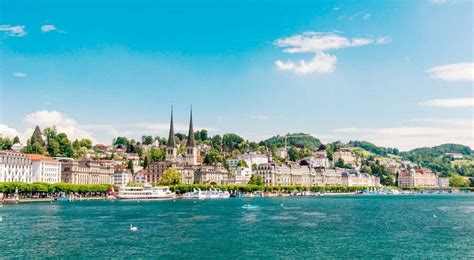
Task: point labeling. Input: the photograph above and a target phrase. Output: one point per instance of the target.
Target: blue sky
(397, 73)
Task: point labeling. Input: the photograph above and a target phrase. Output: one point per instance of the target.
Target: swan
(132, 228)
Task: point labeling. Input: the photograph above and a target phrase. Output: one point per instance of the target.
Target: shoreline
(180, 197)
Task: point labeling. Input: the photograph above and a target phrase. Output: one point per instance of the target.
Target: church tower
(191, 149)
(171, 147)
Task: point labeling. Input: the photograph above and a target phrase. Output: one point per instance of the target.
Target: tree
(242, 164)
(5, 144)
(256, 180)
(37, 137)
(16, 140)
(65, 146)
(340, 163)
(170, 176)
(294, 154)
(254, 167)
(123, 141)
(130, 166)
(147, 139)
(231, 141)
(457, 180)
(216, 142)
(213, 157)
(157, 154)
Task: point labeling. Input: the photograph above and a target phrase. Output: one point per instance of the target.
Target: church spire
(171, 141)
(191, 142)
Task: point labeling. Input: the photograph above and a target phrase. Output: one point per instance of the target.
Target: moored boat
(146, 192)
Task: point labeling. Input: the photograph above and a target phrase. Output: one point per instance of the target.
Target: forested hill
(378, 150)
(298, 140)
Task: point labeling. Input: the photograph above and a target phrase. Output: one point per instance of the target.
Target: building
(17, 147)
(45, 169)
(213, 175)
(454, 156)
(15, 167)
(87, 171)
(315, 161)
(356, 178)
(281, 152)
(344, 154)
(443, 182)
(140, 177)
(242, 175)
(122, 176)
(421, 177)
(187, 163)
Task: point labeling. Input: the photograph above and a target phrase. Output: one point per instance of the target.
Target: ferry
(212, 193)
(146, 192)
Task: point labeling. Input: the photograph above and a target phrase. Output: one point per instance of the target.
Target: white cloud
(6, 131)
(457, 122)
(13, 31)
(48, 28)
(322, 63)
(318, 43)
(63, 123)
(449, 102)
(20, 75)
(453, 72)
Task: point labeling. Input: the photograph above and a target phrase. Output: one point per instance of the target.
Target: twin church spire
(171, 147)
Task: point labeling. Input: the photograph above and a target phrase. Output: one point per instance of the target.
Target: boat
(212, 193)
(249, 206)
(146, 192)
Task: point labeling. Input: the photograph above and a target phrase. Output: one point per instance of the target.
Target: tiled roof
(39, 157)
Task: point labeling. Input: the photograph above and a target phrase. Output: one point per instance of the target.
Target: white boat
(212, 193)
(146, 192)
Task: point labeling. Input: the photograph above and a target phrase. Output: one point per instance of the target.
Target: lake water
(306, 227)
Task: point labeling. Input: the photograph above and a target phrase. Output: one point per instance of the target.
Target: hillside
(298, 140)
(433, 158)
(370, 147)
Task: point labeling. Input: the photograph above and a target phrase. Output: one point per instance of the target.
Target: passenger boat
(212, 193)
(146, 192)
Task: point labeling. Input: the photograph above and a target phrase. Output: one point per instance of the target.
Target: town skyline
(343, 71)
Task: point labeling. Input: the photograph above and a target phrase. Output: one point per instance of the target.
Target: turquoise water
(347, 226)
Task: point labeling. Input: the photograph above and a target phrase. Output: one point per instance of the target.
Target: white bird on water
(132, 228)
(1, 218)
(434, 216)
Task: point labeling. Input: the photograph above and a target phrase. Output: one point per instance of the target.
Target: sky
(395, 73)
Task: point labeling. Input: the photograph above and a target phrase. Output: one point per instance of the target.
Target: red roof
(39, 157)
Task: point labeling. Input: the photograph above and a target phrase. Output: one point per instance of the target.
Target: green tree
(242, 163)
(157, 154)
(65, 146)
(5, 144)
(213, 157)
(457, 180)
(16, 140)
(130, 166)
(256, 180)
(216, 142)
(340, 163)
(170, 176)
(231, 142)
(37, 137)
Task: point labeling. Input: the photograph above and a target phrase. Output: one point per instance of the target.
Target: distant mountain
(300, 140)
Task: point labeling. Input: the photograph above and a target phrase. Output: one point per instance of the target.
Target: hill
(300, 140)
(433, 158)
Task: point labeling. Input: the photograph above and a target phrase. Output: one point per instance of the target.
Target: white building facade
(45, 169)
(15, 167)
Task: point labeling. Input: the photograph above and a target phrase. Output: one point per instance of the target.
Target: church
(186, 163)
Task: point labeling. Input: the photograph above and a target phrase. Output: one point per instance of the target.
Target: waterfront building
(87, 171)
(45, 169)
(332, 177)
(15, 167)
(443, 182)
(249, 158)
(242, 175)
(421, 177)
(140, 177)
(135, 158)
(122, 175)
(213, 175)
(344, 154)
(315, 161)
(356, 178)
